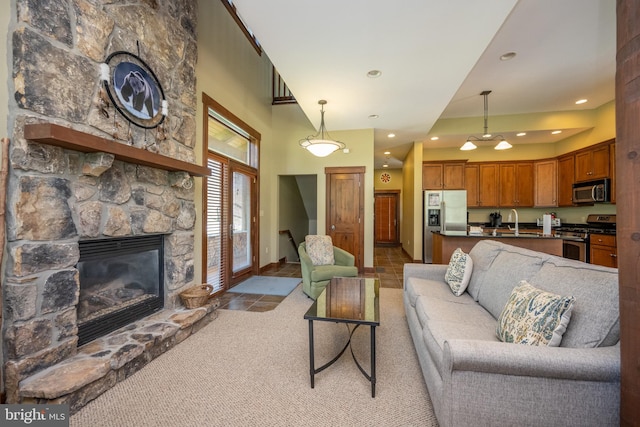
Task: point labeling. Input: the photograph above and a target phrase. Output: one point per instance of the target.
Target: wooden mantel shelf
(61, 136)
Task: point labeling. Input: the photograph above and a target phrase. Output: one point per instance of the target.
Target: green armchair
(316, 277)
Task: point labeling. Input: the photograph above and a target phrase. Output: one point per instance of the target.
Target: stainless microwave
(592, 191)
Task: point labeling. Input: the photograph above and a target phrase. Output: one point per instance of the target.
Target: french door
(230, 194)
(231, 223)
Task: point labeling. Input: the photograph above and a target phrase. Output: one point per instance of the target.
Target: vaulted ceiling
(435, 58)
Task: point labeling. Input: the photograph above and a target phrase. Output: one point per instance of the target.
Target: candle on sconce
(104, 72)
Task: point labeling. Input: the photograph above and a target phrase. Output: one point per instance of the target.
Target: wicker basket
(196, 296)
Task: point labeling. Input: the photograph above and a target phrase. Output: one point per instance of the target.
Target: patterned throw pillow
(320, 249)
(534, 317)
(459, 272)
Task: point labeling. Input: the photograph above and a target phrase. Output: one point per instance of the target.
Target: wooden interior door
(386, 223)
(345, 210)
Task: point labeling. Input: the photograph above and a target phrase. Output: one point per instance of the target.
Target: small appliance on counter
(495, 219)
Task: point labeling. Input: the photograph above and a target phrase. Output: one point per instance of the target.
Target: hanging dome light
(318, 144)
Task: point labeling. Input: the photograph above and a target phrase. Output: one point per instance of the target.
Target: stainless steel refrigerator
(444, 211)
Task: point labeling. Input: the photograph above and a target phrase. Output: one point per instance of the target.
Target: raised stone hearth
(100, 364)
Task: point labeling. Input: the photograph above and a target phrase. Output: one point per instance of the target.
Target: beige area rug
(250, 368)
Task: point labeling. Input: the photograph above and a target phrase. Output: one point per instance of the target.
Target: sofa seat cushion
(595, 319)
(461, 309)
(327, 272)
(509, 267)
(416, 287)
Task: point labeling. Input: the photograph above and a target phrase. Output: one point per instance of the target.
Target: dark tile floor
(387, 261)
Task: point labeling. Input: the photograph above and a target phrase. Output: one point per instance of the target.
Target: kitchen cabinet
(592, 163)
(488, 175)
(472, 184)
(516, 184)
(432, 176)
(603, 250)
(546, 183)
(443, 175)
(566, 175)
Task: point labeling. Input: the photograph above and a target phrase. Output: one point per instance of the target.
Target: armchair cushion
(320, 249)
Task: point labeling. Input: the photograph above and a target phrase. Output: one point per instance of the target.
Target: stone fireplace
(95, 180)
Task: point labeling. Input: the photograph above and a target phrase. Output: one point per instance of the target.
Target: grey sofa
(475, 379)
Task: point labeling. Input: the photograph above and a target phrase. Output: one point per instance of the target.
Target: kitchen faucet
(516, 232)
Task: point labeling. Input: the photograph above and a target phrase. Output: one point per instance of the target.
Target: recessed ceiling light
(434, 138)
(507, 56)
(555, 132)
(392, 135)
(521, 134)
(581, 101)
(373, 116)
(374, 74)
(385, 165)
(387, 152)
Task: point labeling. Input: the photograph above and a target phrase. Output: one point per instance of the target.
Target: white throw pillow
(320, 249)
(459, 272)
(534, 317)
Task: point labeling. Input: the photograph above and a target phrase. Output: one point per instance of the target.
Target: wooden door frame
(397, 194)
(359, 170)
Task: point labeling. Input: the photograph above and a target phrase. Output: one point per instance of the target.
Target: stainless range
(576, 237)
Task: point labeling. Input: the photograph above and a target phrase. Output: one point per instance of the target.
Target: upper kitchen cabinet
(443, 175)
(488, 174)
(472, 184)
(592, 163)
(481, 183)
(566, 174)
(546, 183)
(516, 184)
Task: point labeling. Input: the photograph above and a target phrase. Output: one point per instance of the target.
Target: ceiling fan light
(468, 146)
(503, 145)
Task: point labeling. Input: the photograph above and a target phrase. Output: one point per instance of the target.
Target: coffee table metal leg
(312, 368)
(373, 361)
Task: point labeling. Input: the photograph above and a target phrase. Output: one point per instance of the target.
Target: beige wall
(230, 72)
(286, 157)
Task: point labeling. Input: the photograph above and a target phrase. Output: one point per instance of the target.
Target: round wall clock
(385, 177)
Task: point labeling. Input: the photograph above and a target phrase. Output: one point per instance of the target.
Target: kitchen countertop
(445, 243)
(508, 235)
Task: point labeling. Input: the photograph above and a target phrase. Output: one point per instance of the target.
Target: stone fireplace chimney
(57, 197)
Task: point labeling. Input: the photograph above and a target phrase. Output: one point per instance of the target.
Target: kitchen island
(445, 243)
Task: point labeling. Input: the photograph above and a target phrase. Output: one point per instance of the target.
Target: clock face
(385, 177)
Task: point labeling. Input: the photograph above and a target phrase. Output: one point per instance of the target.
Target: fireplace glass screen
(121, 280)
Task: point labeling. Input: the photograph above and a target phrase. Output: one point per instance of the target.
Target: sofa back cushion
(482, 254)
(595, 320)
(511, 266)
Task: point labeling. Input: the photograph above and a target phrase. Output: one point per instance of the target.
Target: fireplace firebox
(121, 281)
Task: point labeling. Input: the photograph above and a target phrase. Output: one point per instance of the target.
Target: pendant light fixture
(502, 145)
(320, 145)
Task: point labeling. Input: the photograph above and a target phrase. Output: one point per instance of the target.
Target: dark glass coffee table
(352, 301)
